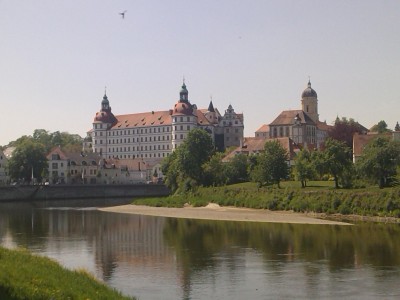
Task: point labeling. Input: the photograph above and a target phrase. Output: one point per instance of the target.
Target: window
(54, 165)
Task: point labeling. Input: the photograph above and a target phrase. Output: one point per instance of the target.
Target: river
(168, 258)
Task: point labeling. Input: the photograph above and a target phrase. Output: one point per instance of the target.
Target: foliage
(271, 165)
(25, 276)
(397, 127)
(184, 167)
(215, 171)
(304, 168)
(344, 129)
(69, 142)
(381, 127)
(317, 197)
(236, 170)
(28, 157)
(335, 160)
(30, 152)
(379, 161)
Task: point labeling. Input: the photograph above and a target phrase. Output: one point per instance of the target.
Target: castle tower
(309, 102)
(183, 118)
(102, 122)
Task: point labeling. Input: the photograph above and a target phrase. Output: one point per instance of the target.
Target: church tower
(309, 102)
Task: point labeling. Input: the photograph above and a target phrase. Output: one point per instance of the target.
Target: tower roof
(211, 107)
(309, 92)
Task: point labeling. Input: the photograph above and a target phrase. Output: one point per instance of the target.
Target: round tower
(102, 122)
(309, 102)
(183, 118)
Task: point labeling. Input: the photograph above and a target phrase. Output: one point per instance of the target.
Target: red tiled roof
(154, 118)
(287, 118)
(263, 128)
(253, 145)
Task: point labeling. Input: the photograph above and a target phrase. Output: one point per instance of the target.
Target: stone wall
(58, 192)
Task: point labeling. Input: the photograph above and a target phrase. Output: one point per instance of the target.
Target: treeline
(29, 155)
(195, 163)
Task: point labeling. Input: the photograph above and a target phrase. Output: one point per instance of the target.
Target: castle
(154, 135)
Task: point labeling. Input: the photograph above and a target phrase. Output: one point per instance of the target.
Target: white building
(155, 134)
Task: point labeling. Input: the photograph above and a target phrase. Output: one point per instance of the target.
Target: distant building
(302, 126)
(255, 146)
(155, 134)
(72, 168)
(91, 168)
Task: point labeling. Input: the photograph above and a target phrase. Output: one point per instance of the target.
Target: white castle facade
(154, 135)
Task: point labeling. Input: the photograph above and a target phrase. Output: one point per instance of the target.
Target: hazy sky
(56, 57)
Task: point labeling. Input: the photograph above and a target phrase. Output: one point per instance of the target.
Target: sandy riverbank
(215, 212)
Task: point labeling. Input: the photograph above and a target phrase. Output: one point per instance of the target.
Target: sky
(57, 58)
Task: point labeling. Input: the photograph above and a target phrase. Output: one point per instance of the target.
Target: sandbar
(220, 213)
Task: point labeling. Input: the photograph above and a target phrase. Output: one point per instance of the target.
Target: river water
(168, 258)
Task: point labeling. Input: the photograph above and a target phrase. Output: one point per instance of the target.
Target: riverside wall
(70, 192)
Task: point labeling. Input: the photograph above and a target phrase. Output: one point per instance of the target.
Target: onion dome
(105, 115)
(183, 108)
(309, 92)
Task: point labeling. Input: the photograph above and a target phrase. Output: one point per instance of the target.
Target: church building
(302, 126)
(155, 134)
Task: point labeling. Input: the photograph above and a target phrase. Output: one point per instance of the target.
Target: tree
(236, 170)
(184, 167)
(381, 127)
(28, 159)
(335, 160)
(271, 166)
(397, 127)
(304, 168)
(344, 129)
(197, 149)
(214, 171)
(379, 161)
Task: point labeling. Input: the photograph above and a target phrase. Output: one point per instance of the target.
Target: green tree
(196, 150)
(28, 157)
(214, 171)
(184, 167)
(304, 168)
(335, 160)
(381, 127)
(379, 161)
(170, 169)
(236, 170)
(271, 166)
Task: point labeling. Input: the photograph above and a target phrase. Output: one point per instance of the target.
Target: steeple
(211, 107)
(105, 104)
(184, 93)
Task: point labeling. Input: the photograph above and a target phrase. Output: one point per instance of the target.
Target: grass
(318, 197)
(27, 276)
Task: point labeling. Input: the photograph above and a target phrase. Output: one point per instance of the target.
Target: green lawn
(27, 276)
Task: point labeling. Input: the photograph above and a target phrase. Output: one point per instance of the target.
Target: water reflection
(166, 258)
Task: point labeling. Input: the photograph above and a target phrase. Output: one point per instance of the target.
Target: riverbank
(318, 199)
(27, 276)
(216, 212)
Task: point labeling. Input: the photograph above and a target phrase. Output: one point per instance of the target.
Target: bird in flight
(123, 14)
